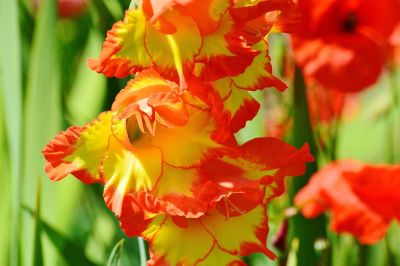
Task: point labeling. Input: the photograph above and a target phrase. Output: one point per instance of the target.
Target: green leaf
(307, 231)
(10, 68)
(37, 245)
(88, 92)
(73, 253)
(5, 195)
(115, 257)
(42, 117)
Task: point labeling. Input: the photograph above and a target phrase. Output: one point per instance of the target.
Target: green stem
(392, 117)
(306, 230)
(363, 254)
(142, 251)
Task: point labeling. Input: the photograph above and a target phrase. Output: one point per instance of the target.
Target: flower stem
(392, 117)
(306, 230)
(142, 251)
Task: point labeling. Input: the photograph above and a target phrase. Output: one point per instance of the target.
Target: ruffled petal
(79, 150)
(238, 106)
(224, 53)
(134, 44)
(151, 99)
(206, 13)
(124, 49)
(217, 237)
(258, 75)
(255, 175)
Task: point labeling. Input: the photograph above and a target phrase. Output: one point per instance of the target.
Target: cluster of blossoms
(166, 152)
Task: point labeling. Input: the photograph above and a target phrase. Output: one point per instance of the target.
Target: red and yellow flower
(180, 38)
(166, 152)
(165, 175)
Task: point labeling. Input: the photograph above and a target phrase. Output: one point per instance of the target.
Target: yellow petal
(188, 145)
(128, 170)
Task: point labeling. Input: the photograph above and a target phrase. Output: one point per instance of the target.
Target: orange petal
(151, 98)
(206, 13)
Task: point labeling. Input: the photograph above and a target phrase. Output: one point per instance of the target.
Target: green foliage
(115, 256)
(11, 77)
(72, 252)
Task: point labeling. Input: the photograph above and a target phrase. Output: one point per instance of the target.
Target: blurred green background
(45, 86)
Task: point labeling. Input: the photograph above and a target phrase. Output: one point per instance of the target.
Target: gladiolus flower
(182, 38)
(336, 35)
(166, 153)
(363, 198)
(165, 177)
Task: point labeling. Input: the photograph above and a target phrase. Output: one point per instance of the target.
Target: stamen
(229, 204)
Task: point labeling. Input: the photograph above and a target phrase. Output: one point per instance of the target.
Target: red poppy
(343, 45)
(363, 198)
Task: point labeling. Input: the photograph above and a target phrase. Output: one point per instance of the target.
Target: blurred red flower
(344, 45)
(67, 8)
(363, 198)
(71, 8)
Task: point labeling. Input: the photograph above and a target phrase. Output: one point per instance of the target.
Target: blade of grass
(306, 230)
(5, 195)
(10, 67)
(73, 253)
(88, 92)
(42, 117)
(115, 257)
(37, 245)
